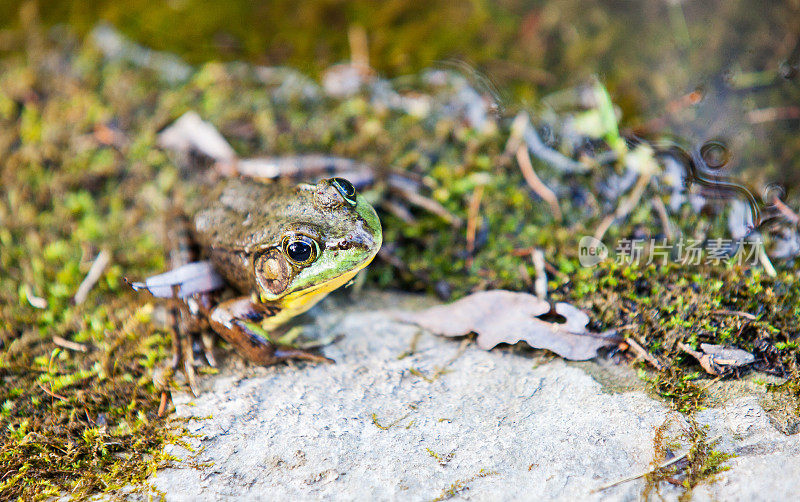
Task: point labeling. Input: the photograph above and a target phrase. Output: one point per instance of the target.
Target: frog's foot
(234, 320)
(207, 345)
(283, 353)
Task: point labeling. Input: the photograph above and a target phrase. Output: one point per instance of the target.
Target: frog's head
(334, 233)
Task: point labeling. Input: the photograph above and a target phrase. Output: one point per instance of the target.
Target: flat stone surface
(767, 462)
(447, 420)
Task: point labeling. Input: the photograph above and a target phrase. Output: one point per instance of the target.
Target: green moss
(700, 462)
(461, 485)
(393, 424)
(75, 422)
(442, 459)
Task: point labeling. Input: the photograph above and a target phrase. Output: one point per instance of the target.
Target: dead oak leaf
(500, 316)
(186, 280)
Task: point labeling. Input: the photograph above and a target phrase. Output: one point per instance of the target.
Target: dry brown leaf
(189, 279)
(717, 359)
(500, 316)
(190, 132)
(728, 356)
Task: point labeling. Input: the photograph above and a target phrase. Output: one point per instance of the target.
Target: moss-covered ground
(81, 172)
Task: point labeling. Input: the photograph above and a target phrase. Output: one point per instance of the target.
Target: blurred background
(734, 61)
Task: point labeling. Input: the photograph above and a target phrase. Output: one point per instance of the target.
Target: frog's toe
(207, 341)
(189, 364)
(287, 353)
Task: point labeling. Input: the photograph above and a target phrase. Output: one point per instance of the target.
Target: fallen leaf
(192, 133)
(195, 277)
(500, 316)
(717, 359)
(728, 356)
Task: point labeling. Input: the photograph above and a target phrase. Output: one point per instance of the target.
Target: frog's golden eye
(345, 188)
(300, 249)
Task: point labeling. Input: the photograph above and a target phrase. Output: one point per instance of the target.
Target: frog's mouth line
(304, 299)
(297, 302)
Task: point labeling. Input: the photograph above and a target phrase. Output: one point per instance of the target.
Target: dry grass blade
(625, 207)
(542, 190)
(663, 216)
(668, 463)
(765, 262)
(95, 272)
(540, 286)
(644, 354)
(429, 205)
(472, 219)
(51, 393)
(553, 158)
(739, 313)
(69, 344)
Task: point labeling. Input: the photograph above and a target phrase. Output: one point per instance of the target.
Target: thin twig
(51, 393)
(668, 463)
(95, 272)
(706, 360)
(69, 344)
(472, 218)
(712, 382)
(542, 190)
(658, 205)
(644, 354)
(386, 255)
(764, 260)
(387, 427)
(399, 211)
(547, 155)
(428, 204)
(739, 313)
(36, 302)
(540, 285)
(625, 207)
(547, 266)
(689, 350)
(441, 370)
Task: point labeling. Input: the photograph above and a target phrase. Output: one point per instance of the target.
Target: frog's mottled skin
(243, 225)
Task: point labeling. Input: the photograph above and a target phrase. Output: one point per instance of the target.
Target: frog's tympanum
(284, 248)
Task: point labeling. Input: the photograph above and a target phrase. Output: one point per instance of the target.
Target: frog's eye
(300, 249)
(345, 188)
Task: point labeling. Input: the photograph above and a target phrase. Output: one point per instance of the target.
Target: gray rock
(448, 419)
(767, 462)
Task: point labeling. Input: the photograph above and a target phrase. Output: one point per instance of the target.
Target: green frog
(283, 247)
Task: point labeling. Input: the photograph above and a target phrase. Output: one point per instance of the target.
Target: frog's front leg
(231, 320)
